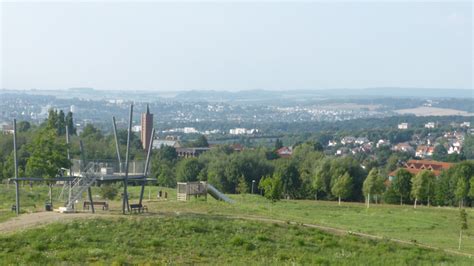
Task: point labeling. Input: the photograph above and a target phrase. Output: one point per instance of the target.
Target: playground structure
(90, 173)
(187, 189)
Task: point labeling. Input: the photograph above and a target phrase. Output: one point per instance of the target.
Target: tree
(422, 186)
(318, 147)
(468, 147)
(379, 187)
(52, 122)
(272, 188)
(61, 124)
(461, 174)
(370, 185)
(440, 153)
(461, 191)
(471, 187)
(166, 175)
(402, 184)
(23, 126)
(342, 188)
(463, 224)
(201, 141)
(108, 191)
(287, 172)
(167, 153)
(322, 178)
(242, 187)
(48, 156)
(91, 131)
(188, 170)
(70, 123)
(278, 144)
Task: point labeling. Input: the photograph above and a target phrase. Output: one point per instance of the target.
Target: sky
(170, 46)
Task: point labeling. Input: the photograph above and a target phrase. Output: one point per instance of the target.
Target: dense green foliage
(202, 239)
(312, 172)
(109, 191)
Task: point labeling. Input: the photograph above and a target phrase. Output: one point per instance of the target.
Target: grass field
(434, 226)
(202, 239)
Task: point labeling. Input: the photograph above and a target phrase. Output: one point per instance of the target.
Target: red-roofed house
(285, 152)
(416, 166)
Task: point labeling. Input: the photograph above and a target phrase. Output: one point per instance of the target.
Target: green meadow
(192, 239)
(200, 231)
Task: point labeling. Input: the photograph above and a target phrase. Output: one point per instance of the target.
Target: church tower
(147, 125)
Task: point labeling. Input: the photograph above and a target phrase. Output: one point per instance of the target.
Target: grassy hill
(202, 239)
(433, 226)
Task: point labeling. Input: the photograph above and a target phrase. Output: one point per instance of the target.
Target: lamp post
(253, 184)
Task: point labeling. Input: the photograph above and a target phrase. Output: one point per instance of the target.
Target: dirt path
(26, 221)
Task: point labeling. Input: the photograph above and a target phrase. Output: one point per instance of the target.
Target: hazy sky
(236, 46)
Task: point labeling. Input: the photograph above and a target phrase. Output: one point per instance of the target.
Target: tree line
(308, 174)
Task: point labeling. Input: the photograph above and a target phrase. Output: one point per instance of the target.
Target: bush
(108, 191)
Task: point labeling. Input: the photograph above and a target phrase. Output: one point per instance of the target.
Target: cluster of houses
(353, 145)
(193, 130)
(421, 147)
(435, 125)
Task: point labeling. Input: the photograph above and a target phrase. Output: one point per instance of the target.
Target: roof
(285, 152)
(416, 166)
(158, 142)
(435, 165)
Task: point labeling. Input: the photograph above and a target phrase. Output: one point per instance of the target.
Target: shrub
(108, 191)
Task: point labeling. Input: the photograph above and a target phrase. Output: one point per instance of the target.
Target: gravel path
(26, 221)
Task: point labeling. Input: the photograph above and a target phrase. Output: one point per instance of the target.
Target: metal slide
(217, 194)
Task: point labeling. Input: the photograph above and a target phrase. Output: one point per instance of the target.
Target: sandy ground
(26, 221)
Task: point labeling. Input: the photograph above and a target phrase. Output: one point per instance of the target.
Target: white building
(382, 143)
(466, 124)
(158, 143)
(242, 131)
(137, 128)
(430, 125)
(73, 109)
(403, 126)
(332, 143)
(361, 140)
(237, 131)
(348, 140)
(189, 130)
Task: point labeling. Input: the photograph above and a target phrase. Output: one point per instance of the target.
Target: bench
(138, 208)
(104, 204)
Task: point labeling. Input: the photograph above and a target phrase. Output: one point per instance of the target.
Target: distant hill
(269, 95)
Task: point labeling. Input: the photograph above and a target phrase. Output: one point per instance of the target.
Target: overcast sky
(236, 46)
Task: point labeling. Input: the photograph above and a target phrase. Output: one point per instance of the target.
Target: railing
(134, 167)
(81, 183)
